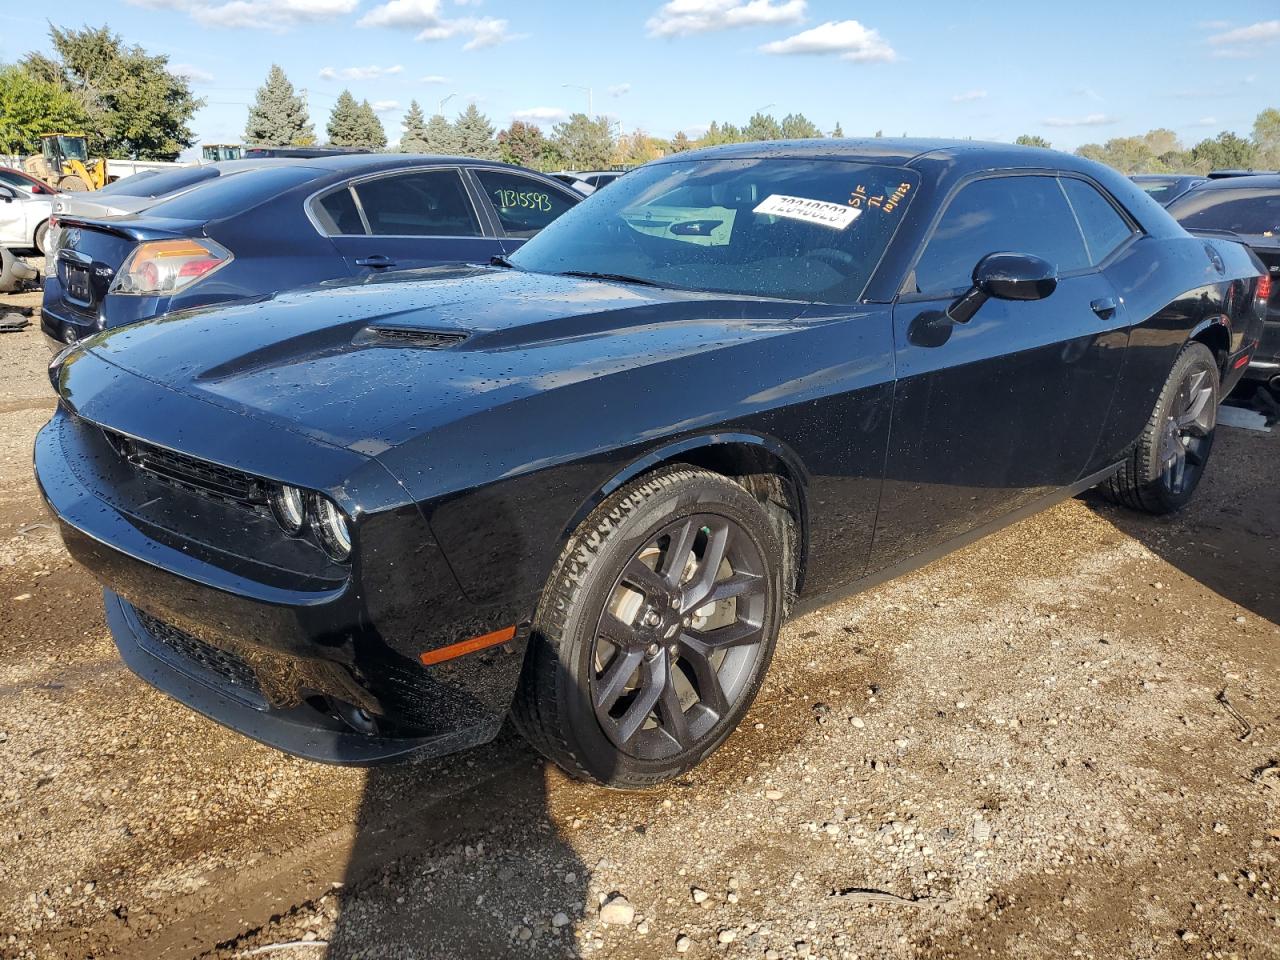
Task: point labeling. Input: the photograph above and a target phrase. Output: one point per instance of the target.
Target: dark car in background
(586, 484)
(1166, 188)
(286, 223)
(1247, 208)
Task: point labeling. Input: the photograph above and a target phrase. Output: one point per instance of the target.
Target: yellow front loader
(63, 162)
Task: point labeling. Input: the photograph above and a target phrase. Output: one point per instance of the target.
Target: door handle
(377, 261)
(1104, 307)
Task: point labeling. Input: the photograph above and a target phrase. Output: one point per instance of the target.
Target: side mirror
(1005, 276)
(7, 194)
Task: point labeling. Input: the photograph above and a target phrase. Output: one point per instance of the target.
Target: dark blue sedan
(286, 224)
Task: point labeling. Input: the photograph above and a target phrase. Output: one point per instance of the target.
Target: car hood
(368, 365)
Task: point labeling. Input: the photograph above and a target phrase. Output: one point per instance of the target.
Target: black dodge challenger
(584, 486)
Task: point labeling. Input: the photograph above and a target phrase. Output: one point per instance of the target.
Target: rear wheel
(655, 630)
(1161, 473)
(41, 237)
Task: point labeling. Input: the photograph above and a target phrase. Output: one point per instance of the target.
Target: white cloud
(1092, 120)
(969, 96)
(360, 73)
(276, 15)
(433, 78)
(619, 89)
(1206, 122)
(192, 73)
(541, 115)
(1245, 43)
(679, 18)
(848, 39)
(426, 17)
(385, 106)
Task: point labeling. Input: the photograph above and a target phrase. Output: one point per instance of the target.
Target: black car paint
(465, 467)
(1264, 366)
(276, 245)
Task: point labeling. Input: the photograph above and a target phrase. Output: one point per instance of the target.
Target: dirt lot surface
(1062, 741)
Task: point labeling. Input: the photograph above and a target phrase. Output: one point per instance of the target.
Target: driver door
(991, 415)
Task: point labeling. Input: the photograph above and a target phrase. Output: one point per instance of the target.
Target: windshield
(73, 148)
(787, 228)
(1160, 189)
(1253, 211)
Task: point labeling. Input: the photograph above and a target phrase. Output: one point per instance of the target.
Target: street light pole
(443, 101)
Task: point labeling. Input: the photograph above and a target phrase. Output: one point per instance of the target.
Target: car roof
(350, 163)
(1264, 181)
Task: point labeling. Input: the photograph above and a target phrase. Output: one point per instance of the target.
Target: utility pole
(443, 101)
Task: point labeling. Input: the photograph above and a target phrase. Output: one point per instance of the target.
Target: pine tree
(680, 142)
(346, 123)
(372, 132)
(440, 136)
(584, 143)
(414, 139)
(762, 126)
(838, 131)
(796, 126)
(475, 134)
(278, 117)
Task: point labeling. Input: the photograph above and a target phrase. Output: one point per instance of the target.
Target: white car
(24, 219)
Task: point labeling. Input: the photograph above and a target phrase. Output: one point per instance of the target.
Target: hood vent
(416, 336)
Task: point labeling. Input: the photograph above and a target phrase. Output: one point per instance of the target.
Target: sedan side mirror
(1005, 276)
(7, 195)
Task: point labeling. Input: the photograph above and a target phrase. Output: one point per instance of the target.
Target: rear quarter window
(227, 196)
(1103, 227)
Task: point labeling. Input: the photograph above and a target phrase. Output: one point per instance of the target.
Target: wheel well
(1216, 338)
(773, 484)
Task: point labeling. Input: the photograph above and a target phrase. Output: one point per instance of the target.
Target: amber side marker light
(463, 647)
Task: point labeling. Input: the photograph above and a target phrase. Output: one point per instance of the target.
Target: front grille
(190, 473)
(222, 663)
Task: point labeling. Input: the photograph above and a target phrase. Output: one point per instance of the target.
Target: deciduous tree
(30, 106)
(522, 143)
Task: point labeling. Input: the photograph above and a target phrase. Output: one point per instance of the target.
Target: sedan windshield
(1253, 211)
(785, 228)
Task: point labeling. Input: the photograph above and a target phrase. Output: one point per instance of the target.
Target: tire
(73, 183)
(41, 237)
(628, 682)
(1163, 469)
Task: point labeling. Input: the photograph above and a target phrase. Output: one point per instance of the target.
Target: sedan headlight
(331, 525)
(290, 509)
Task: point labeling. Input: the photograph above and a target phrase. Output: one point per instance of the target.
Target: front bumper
(276, 655)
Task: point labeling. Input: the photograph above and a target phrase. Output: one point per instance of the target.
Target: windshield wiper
(498, 260)
(620, 277)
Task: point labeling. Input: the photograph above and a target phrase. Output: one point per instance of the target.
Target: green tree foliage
(353, 124)
(30, 106)
(1032, 140)
(762, 126)
(1156, 151)
(796, 126)
(475, 134)
(522, 143)
(133, 106)
(441, 137)
(1266, 138)
(838, 132)
(1226, 151)
(278, 117)
(414, 138)
(719, 133)
(681, 142)
(584, 144)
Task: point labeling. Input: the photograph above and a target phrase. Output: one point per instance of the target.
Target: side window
(337, 213)
(523, 205)
(1103, 227)
(1023, 214)
(426, 203)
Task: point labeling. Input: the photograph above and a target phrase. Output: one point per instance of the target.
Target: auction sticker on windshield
(834, 215)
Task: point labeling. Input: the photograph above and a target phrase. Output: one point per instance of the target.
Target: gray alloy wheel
(654, 631)
(1165, 466)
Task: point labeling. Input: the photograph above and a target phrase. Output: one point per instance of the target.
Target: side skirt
(805, 605)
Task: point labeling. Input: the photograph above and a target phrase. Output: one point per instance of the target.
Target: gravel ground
(1061, 741)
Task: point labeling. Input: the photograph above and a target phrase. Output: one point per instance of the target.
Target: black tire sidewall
(1193, 354)
(703, 493)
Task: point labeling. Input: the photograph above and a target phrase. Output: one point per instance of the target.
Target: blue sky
(990, 70)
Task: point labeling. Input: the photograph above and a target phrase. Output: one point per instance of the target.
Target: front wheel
(1163, 469)
(655, 630)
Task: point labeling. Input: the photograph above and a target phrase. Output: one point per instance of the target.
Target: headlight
(167, 266)
(332, 527)
(290, 509)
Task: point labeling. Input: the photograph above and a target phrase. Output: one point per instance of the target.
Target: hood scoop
(410, 336)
